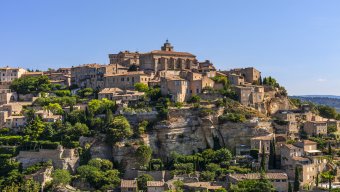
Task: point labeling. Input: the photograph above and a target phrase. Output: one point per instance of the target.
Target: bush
(194, 99)
(232, 117)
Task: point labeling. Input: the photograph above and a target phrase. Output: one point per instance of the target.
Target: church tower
(167, 46)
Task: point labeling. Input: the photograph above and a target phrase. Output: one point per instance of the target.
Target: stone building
(250, 95)
(278, 179)
(7, 96)
(262, 142)
(92, 75)
(8, 74)
(196, 81)
(235, 79)
(156, 186)
(125, 58)
(120, 95)
(315, 128)
(59, 78)
(250, 74)
(167, 59)
(126, 80)
(176, 87)
(305, 156)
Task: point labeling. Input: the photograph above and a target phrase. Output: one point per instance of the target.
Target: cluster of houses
(293, 152)
(180, 76)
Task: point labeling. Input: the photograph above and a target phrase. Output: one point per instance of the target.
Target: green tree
(263, 159)
(143, 154)
(55, 108)
(141, 87)
(34, 128)
(194, 99)
(272, 155)
(328, 175)
(119, 129)
(31, 84)
(86, 92)
(142, 181)
(290, 189)
(327, 112)
(61, 177)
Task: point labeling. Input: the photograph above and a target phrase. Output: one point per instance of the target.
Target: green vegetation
(31, 84)
(142, 181)
(99, 173)
(253, 185)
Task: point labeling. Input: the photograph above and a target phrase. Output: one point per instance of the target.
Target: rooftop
(127, 74)
(251, 176)
(128, 183)
(155, 183)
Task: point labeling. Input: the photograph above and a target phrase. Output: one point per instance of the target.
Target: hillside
(330, 100)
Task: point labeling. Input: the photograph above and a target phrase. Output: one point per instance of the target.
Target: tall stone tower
(167, 46)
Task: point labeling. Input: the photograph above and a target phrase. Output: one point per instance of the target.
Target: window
(122, 79)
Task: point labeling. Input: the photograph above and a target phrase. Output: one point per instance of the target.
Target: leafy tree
(260, 185)
(141, 87)
(222, 155)
(34, 128)
(207, 176)
(270, 81)
(328, 175)
(331, 129)
(194, 99)
(143, 154)
(61, 177)
(327, 112)
(62, 93)
(119, 129)
(178, 185)
(31, 84)
(142, 181)
(86, 92)
(55, 108)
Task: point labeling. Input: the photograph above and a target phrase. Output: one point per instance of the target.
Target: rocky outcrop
(186, 132)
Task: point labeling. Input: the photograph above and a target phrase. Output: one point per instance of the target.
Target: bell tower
(167, 46)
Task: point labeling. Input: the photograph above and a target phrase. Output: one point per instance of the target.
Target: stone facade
(176, 87)
(61, 158)
(315, 128)
(8, 74)
(126, 80)
(92, 75)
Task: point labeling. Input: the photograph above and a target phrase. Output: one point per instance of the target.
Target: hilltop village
(161, 121)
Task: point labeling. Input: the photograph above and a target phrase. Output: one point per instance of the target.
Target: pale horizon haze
(296, 42)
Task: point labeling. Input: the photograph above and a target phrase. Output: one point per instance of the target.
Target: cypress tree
(263, 159)
(297, 180)
(272, 155)
(290, 187)
(329, 149)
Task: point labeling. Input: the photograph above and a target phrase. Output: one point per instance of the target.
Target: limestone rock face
(125, 155)
(277, 104)
(186, 132)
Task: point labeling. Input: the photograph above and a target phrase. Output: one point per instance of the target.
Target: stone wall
(61, 158)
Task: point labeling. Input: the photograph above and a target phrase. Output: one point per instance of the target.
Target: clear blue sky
(295, 41)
